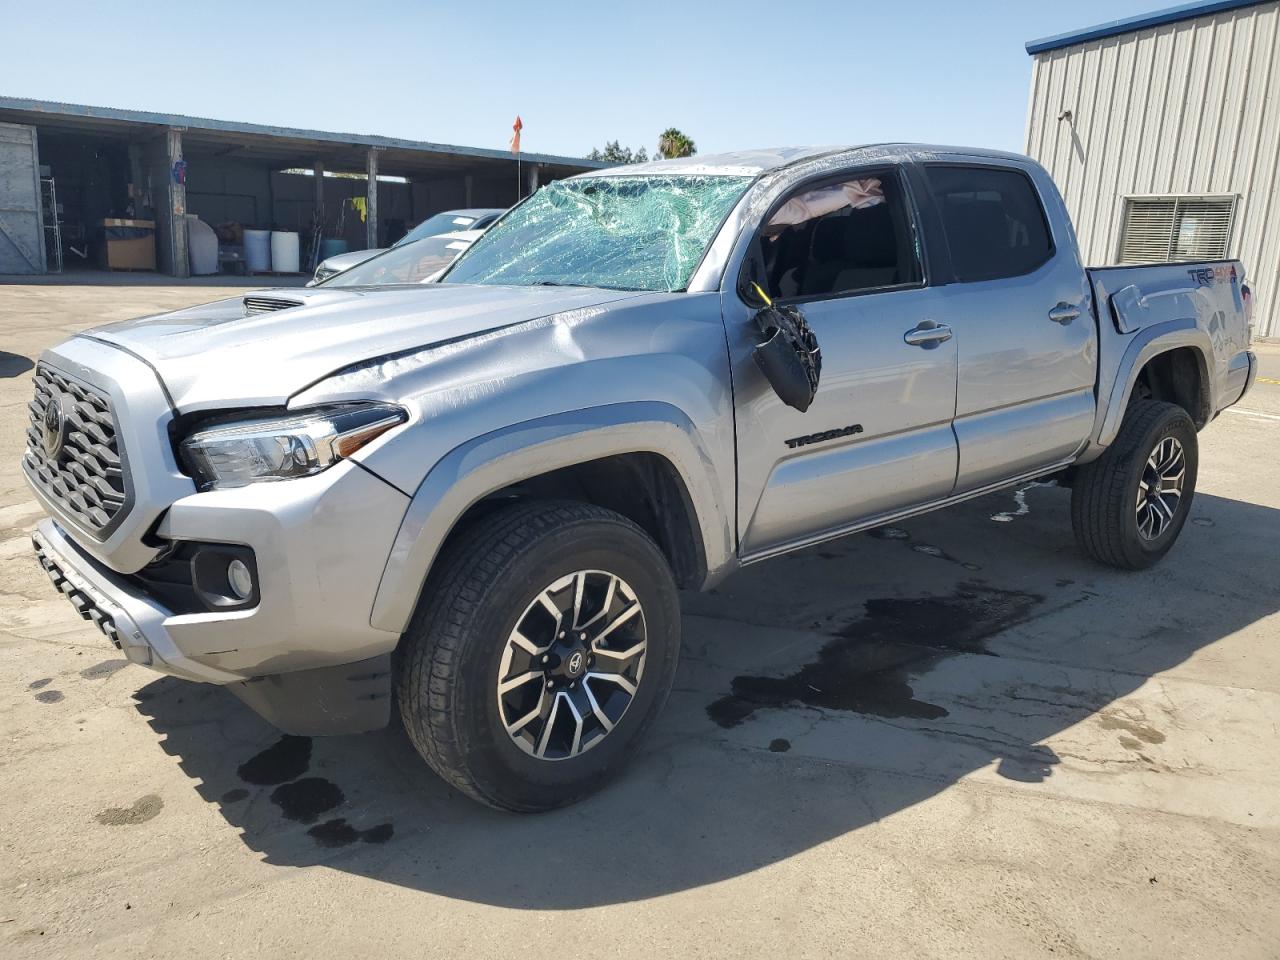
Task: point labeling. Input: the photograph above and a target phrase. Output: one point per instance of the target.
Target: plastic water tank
(202, 246)
(331, 247)
(257, 250)
(284, 251)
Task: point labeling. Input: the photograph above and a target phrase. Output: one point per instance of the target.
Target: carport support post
(466, 187)
(317, 170)
(171, 210)
(371, 224)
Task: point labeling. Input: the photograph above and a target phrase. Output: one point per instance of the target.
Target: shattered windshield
(625, 233)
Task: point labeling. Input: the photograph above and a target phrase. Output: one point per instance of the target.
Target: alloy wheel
(1160, 489)
(572, 665)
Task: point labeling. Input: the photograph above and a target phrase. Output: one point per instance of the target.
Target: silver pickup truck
(473, 501)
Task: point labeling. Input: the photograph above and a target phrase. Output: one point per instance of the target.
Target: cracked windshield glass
(623, 233)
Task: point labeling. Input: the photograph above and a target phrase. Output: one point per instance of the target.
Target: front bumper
(321, 544)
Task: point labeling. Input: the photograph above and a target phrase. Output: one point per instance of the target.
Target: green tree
(673, 143)
(614, 152)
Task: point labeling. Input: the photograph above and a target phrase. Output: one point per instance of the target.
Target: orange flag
(515, 137)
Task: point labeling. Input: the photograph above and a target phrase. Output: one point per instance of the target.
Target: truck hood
(222, 355)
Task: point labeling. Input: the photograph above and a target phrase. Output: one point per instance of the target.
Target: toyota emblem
(54, 423)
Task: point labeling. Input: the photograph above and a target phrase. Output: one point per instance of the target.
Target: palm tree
(673, 143)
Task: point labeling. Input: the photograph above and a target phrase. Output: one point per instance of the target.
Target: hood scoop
(259, 304)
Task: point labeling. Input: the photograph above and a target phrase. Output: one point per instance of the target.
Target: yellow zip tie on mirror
(763, 296)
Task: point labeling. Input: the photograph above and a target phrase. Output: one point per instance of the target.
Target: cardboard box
(128, 245)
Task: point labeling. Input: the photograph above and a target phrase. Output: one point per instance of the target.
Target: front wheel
(1129, 505)
(539, 654)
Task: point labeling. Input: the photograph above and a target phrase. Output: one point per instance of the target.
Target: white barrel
(284, 251)
(257, 250)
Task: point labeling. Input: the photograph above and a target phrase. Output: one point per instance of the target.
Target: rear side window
(994, 221)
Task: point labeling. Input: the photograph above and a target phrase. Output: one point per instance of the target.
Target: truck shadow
(818, 695)
(14, 364)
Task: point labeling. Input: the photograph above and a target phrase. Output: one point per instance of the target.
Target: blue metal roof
(263, 130)
(1186, 11)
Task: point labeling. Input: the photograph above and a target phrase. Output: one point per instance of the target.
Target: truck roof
(755, 162)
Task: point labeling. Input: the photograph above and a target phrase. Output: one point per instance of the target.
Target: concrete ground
(951, 738)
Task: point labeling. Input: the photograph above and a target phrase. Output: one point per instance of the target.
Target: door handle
(927, 334)
(1064, 313)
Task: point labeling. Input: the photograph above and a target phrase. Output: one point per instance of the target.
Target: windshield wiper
(561, 283)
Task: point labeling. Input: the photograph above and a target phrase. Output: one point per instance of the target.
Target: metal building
(1163, 132)
(108, 164)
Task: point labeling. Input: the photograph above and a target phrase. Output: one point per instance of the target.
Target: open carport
(105, 163)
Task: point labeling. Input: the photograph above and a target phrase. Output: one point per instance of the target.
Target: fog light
(240, 579)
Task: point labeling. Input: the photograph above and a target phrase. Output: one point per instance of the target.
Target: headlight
(281, 448)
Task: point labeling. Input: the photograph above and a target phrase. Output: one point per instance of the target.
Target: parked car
(484, 493)
(451, 221)
(413, 262)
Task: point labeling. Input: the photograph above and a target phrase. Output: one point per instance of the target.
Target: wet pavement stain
(917, 546)
(339, 833)
(867, 666)
(780, 745)
(143, 809)
(103, 669)
(306, 799)
(50, 696)
(1145, 733)
(302, 800)
(888, 533)
(286, 759)
(37, 684)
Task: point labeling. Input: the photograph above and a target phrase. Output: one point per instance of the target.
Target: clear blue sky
(729, 74)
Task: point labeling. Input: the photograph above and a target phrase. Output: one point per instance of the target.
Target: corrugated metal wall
(1190, 107)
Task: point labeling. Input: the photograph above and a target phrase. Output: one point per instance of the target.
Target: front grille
(83, 603)
(254, 305)
(83, 473)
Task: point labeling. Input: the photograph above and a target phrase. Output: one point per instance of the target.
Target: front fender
(479, 467)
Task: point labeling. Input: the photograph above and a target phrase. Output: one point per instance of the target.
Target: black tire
(448, 664)
(1105, 492)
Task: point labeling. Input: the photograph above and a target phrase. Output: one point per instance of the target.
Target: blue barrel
(331, 247)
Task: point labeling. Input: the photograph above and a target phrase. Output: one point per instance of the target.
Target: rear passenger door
(1017, 298)
(877, 438)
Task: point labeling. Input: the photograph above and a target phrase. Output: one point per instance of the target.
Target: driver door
(878, 436)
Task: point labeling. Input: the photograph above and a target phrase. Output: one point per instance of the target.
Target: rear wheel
(540, 654)
(1129, 505)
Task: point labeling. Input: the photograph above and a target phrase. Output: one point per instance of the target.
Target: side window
(840, 237)
(994, 221)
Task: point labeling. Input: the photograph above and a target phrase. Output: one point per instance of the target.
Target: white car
(446, 222)
(415, 262)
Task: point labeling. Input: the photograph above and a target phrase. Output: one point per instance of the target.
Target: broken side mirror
(788, 353)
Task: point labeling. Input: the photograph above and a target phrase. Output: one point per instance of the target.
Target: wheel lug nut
(582, 637)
